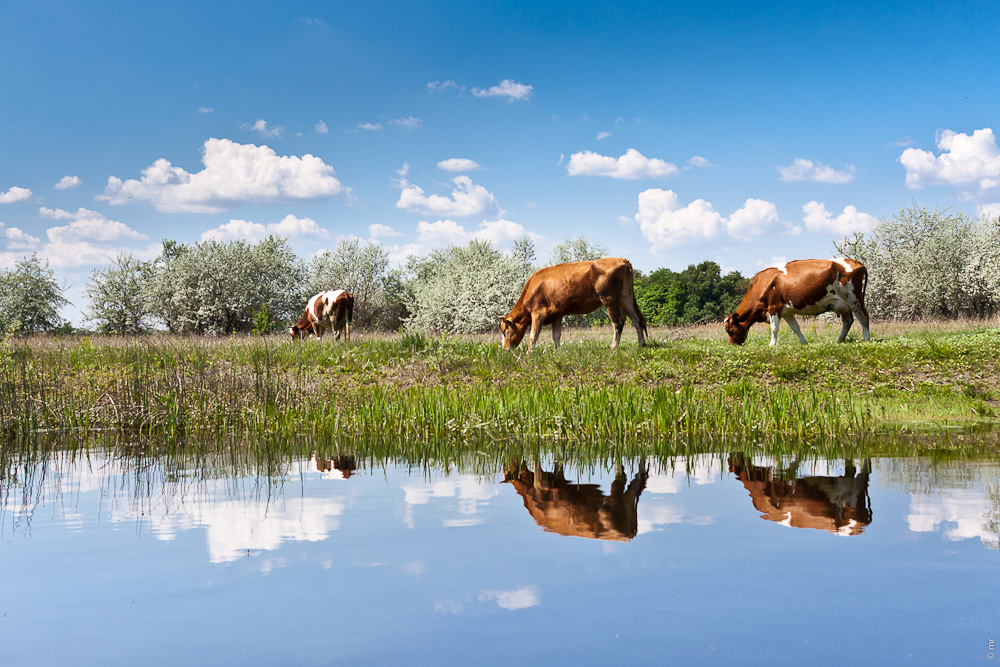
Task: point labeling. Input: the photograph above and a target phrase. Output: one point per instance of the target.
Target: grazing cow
(802, 287)
(576, 288)
(838, 505)
(579, 510)
(332, 309)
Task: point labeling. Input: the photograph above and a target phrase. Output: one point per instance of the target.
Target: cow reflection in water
(581, 510)
(835, 504)
(346, 465)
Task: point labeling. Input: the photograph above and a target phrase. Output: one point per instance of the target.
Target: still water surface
(707, 559)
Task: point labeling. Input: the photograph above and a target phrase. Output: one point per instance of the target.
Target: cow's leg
(794, 326)
(557, 332)
(632, 310)
(618, 319)
(347, 331)
(775, 322)
(536, 329)
(862, 313)
(847, 319)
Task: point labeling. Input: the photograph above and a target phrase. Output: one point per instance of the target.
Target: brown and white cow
(802, 287)
(835, 504)
(575, 288)
(331, 309)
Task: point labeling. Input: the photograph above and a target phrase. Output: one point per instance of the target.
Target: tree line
(921, 263)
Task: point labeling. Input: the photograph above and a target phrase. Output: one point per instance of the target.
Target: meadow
(687, 383)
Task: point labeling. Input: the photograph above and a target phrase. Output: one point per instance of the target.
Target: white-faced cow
(576, 288)
(332, 309)
(802, 287)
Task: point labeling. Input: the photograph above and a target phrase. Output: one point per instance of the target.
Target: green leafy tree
(30, 298)
(118, 296)
(698, 292)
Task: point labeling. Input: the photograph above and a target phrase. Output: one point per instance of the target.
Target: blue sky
(671, 133)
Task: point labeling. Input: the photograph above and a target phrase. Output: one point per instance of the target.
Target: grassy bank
(687, 383)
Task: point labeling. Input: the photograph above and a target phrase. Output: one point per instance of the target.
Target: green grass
(687, 384)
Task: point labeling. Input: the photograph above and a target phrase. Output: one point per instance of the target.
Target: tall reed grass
(420, 388)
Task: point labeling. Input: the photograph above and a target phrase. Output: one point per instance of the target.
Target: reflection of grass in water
(154, 471)
(420, 387)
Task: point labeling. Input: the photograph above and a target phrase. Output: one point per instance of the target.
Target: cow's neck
(520, 315)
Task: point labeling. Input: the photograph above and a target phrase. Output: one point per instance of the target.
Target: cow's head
(737, 329)
(293, 331)
(511, 333)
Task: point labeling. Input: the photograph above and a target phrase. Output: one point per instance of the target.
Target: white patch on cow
(783, 267)
(837, 298)
(843, 262)
(787, 521)
(850, 529)
(311, 306)
(333, 295)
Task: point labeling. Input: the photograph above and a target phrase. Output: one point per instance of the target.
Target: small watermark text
(991, 647)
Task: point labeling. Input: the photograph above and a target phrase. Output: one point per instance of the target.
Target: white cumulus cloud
(815, 172)
(818, 220)
(632, 165)
(507, 88)
(442, 231)
(67, 182)
(964, 161)
(15, 194)
(88, 238)
(233, 174)
(18, 239)
(664, 222)
(381, 231)
(321, 128)
(466, 200)
(751, 220)
(265, 130)
(450, 232)
(87, 225)
(459, 164)
(289, 227)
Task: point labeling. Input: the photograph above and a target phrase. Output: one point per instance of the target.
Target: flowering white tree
(464, 289)
(361, 269)
(925, 263)
(30, 298)
(117, 293)
(215, 288)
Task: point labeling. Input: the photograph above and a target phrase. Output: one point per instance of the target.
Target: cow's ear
(735, 317)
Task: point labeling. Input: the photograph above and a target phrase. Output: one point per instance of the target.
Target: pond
(114, 556)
